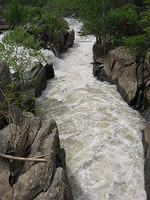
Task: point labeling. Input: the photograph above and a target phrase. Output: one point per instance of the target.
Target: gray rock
(37, 180)
(120, 67)
(69, 40)
(4, 73)
(38, 77)
(4, 80)
(99, 72)
(146, 144)
(98, 52)
(5, 189)
(63, 41)
(59, 189)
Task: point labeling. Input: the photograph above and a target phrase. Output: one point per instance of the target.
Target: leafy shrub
(14, 13)
(18, 48)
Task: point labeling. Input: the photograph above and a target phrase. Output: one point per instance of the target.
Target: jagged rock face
(132, 79)
(121, 69)
(38, 77)
(41, 180)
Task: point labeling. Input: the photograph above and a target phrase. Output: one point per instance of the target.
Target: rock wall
(120, 67)
(132, 79)
(35, 180)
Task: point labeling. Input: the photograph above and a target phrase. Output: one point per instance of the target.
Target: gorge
(101, 134)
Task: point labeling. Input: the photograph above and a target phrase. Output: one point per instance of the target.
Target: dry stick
(21, 158)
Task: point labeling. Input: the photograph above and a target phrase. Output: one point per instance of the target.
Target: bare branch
(34, 159)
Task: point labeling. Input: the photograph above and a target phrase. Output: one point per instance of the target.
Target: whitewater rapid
(101, 134)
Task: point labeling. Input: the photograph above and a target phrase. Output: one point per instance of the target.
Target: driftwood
(34, 159)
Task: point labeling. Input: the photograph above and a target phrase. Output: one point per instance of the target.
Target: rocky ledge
(33, 180)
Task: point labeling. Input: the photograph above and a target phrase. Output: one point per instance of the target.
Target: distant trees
(118, 23)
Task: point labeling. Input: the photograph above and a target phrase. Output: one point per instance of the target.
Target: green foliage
(17, 50)
(137, 45)
(14, 13)
(61, 8)
(48, 27)
(19, 36)
(94, 14)
(123, 21)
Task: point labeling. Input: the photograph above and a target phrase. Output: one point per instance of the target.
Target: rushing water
(99, 131)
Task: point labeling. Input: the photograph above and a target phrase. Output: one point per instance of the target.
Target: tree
(14, 13)
(17, 50)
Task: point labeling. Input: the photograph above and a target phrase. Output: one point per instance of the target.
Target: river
(101, 134)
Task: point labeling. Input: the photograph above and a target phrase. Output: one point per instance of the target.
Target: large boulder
(45, 180)
(120, 67)
(132, 78)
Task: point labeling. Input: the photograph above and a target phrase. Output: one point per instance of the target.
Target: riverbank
(42, 174)
(132, 81)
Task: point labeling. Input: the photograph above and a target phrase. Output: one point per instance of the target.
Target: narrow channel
(101, 134)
